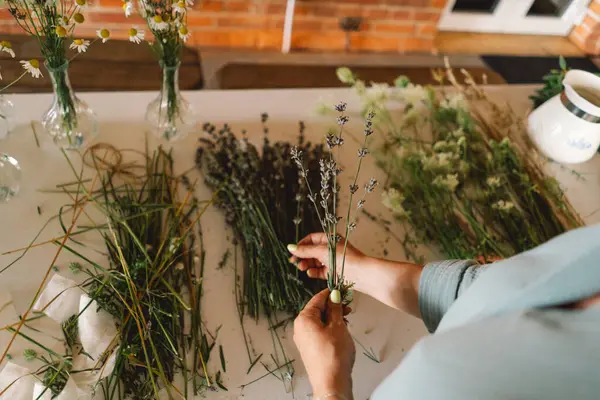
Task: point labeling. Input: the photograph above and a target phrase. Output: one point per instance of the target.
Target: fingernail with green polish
(292, 247)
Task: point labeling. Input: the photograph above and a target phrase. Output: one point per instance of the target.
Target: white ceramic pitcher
(567, 127)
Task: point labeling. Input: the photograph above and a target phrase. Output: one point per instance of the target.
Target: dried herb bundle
(154, 280)
(463, 175)
(264, 201)
(150, 291)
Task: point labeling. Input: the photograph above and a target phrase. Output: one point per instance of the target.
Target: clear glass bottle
(7, 117)
(10, 177)
(170, 116)
(70, 122)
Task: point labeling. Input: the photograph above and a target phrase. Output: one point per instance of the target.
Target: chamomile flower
(136, 36)
(180, 7)
(79, 18)
(61, 32)
(128, 8)
(103, 34)
(7, 48)
(158, 24)
(81, 3)
(184, 33)
(80, 45)
(33, 67)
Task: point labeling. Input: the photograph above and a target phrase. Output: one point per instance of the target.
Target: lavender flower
(340, 107)
(343, 120)
(370, 187)
(329, 188)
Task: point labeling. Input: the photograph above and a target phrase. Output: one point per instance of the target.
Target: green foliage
(552, 84)
(455, 179)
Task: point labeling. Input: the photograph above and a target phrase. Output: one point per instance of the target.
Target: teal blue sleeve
(441, 284)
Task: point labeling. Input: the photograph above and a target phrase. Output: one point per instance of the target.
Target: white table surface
(390, 333)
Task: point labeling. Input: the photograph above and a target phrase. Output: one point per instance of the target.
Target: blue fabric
(503, 336)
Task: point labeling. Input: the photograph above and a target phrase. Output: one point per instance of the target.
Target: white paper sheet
(16, 382)
(38, 389)
(62, 295)
(97, 328)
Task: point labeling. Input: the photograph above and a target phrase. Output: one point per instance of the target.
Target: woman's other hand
(326, 348)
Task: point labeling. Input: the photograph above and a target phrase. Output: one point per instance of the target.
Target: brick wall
(388, 25)
(586, 35)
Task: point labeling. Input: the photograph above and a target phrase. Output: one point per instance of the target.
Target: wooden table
(388, 332)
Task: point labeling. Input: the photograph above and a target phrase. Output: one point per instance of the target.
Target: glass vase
(170, 116)
(7, 117)
(70, 122)
(10, 177)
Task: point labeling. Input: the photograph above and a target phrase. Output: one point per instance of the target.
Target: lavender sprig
(329, 189)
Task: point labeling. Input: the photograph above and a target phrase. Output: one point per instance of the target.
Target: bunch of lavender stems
(264, 202)
(156, 263)
(325, 202)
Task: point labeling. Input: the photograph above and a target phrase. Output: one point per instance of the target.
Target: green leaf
(562, 62)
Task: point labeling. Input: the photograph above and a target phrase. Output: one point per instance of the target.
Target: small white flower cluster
(449, 181)
(439, 161)
(455, 101)
(493, 181)
(393, 200)
(503, 205)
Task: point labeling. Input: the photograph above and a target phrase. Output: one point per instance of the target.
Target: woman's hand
(311, 254)
(326, 348)
(393, 283)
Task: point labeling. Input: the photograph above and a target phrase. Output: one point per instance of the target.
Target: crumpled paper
(97, 328)
(16, 382)
(65, 294)
(91, 371)
(38, 389)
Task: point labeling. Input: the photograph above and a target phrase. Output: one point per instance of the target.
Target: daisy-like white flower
(33, 67)
(158, 24)
(180, 7)
(184, 33)
(136, 36)
(7, 48)
(81, 3)
(128, 8)
(103, 34)
(80, 45)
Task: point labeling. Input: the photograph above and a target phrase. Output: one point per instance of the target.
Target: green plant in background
(463, 177)
(552, 84)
